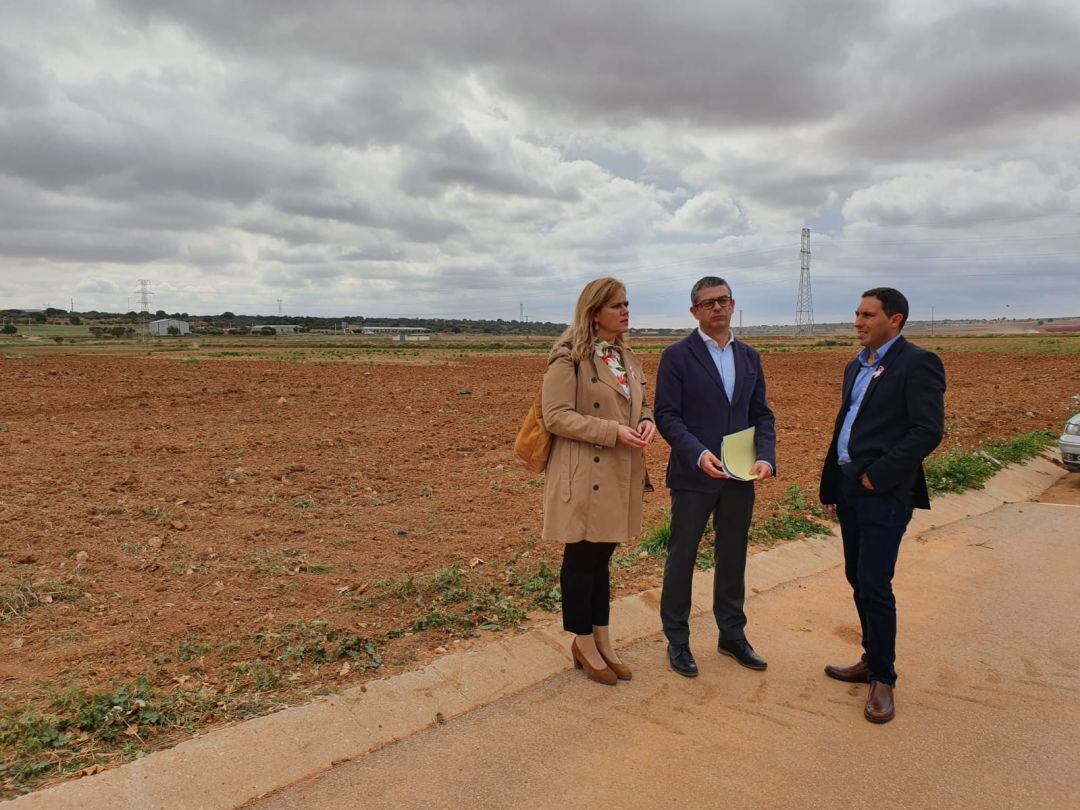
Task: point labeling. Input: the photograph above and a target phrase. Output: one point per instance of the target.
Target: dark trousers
(872, 526)
(586, 586)
(731, 509)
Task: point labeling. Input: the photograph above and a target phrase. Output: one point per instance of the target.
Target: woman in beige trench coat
(594, 406)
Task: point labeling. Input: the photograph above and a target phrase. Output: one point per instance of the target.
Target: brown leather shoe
(604, 676)
(856, 673)
(622, 671)
(879, 705)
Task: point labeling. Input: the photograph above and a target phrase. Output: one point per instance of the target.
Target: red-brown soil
(187, 521)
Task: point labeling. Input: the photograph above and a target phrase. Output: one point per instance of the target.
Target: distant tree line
(252, 324)
(232, 320)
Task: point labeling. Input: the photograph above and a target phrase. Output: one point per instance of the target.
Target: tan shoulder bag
(533, 443)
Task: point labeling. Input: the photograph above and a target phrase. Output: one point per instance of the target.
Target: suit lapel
(742, 369)
(891, 358)
(851, 371)
(701, 353)
(635, 385)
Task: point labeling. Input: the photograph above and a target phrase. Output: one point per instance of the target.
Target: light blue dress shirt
(724, 359)
(858, 391)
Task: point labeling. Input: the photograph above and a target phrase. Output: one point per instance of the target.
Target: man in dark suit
(892, 416)
(708, 386)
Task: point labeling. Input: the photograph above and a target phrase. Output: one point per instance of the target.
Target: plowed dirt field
(241, 533)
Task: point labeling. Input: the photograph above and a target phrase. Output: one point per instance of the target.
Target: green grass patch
(318, 642)
(797, 515)
(959, 471)
(656, 542)
(487, 609)
(77, 728)
(287, 561)
(656, 537)
(491, 609)
(542, 587)
(20, 599)
(190, 648)
(52, 329)
(788, 526)
(157, 514)
(448, 601)
(173, 347)
(446, 585)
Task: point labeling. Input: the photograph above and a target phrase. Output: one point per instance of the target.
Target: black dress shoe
(682, 660)
(741, 651)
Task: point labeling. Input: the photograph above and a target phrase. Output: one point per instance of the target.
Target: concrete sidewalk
(988, 702)
(231, 765)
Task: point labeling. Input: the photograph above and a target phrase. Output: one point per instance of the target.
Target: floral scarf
(610, 355)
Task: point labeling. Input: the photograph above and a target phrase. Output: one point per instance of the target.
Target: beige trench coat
(593, 487)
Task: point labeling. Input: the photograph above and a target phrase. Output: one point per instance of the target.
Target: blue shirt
(724, 360)
(858, 391)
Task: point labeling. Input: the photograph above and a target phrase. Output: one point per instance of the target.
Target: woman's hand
(646, 429)
(630, 436)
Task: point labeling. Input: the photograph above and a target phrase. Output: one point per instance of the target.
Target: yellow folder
(738, 454)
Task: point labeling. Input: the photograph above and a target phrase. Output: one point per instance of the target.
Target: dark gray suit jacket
(693, 412)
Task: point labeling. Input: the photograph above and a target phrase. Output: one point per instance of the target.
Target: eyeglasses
(709, 303)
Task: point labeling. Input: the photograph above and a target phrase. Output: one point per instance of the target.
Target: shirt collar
(709, 341)
(864, 353)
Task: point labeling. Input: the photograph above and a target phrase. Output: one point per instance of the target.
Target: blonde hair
(580, 334)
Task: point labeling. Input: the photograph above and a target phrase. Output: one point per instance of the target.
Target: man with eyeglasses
(710, 385)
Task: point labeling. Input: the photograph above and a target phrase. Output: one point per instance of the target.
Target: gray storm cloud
(458, 158)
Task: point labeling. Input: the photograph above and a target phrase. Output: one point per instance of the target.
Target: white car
(1070, 444)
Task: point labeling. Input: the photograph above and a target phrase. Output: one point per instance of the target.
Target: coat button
(596, 404)
(596, 459)
(595, 487)
(594, 379)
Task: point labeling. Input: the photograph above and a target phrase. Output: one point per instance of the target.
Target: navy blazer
(693, 413)
(900, 422)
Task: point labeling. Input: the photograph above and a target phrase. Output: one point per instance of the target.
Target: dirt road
(988, 702)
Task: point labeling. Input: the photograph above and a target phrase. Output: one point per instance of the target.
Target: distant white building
(396, 331)
(161, 328)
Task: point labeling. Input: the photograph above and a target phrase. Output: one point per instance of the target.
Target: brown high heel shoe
(605, 676)
(622, 671)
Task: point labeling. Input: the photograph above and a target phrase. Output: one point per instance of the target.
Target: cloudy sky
(461, 158)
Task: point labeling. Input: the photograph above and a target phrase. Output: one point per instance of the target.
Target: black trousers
(731, 509)
(586, 586)
(872, 526)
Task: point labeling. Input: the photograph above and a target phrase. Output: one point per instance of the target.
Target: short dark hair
(704, 284)
(892, 301)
